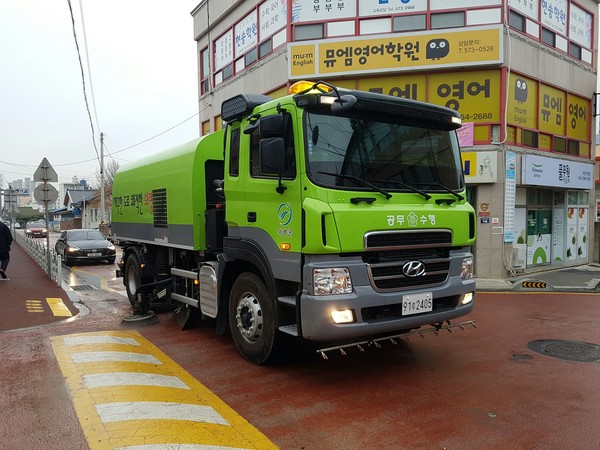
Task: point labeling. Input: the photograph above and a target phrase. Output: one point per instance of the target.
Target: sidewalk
(24, 296)
(583, 278)
(29, 283)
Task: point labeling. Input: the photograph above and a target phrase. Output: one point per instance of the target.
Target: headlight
(44, 231)
(467, 268)
(332, 281)
(110, 247)
(72, 249)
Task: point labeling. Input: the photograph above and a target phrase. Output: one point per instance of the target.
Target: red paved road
(468, 390)
(23, 296)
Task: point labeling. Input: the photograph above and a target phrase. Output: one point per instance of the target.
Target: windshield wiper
(407, 186)
(447, 189)
(360, 181)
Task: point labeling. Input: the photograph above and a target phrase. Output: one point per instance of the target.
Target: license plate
(417, 303)
(93, 254)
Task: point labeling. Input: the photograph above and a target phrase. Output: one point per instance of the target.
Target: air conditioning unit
(519, 256)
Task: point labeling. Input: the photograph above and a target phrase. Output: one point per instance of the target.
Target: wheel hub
(249, 318)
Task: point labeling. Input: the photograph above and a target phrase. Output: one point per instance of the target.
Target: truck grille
(388, 254)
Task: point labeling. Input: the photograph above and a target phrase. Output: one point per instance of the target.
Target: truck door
(272, 209)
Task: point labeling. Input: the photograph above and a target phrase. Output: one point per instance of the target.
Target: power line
(87, 59)
(87, 105)
(113, 153)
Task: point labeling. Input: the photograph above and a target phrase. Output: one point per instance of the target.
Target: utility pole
(102, 205)
(12, 209)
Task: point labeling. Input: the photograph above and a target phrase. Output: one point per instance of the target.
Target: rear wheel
(252, 319)
(132, 278)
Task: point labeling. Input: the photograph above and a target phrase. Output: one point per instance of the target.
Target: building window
(204, 71)
(265, 48)
(227, 71)
(573, 147)
(574, 50)
(516, 21)
(250, 57)
(559, 145)
(448, 20)
(530, 138)
(306, 32)
(409, 23)
(548, 37)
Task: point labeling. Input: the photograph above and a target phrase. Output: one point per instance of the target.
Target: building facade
(522, 74)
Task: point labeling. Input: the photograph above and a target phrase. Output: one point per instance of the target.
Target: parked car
(36, 229)
(84, 246)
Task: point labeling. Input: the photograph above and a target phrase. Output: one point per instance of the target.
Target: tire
(252, 319)
(132, 278)
(65, 259)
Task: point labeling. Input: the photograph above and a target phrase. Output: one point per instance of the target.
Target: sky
(142, 60)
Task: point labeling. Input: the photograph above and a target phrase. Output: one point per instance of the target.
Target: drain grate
(84, 287)
(569, 350)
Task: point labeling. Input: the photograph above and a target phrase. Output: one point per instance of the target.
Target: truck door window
(255, 138)
(234, 153)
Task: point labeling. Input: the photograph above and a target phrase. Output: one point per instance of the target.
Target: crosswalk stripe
(86, 357)
(178, 447)
(129, 395)
(132, 379)
(119, 411)
(93, 339)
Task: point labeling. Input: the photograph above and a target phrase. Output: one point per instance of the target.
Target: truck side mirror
(271, 126)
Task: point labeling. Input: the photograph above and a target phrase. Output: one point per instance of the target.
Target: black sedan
(84, 246)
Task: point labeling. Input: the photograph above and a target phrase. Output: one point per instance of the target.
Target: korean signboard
(394, 53)
(322, 10)
(580, 26)
(272, 16)
(522, 101)
(377, 7)
(553, 172)
(245, 34)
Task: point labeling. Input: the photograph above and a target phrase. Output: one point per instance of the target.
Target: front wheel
(252, 319)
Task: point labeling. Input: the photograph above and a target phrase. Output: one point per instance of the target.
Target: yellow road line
(58, 308)
(129, 394)
(34, 306)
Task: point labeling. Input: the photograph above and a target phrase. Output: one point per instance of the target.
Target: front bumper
(380, 312)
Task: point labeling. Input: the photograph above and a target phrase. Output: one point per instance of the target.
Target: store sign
(245, 34)
(224, 50)
(510, 188)
(382, 7)
(554, 15)
(578, 114)
(322, 10)
(480, 167)
(272, 17)
(553, 172)
(528, 7)
(522, 102)
(476, 46)
(552, 110)
(472, 94)
(580, 26)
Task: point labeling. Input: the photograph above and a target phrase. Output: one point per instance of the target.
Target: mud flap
(182, 316)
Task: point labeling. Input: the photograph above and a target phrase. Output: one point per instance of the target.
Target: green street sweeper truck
(331, 215)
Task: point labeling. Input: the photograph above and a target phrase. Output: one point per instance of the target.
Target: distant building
(521, 73)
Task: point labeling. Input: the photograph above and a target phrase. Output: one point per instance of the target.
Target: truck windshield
(360, 153)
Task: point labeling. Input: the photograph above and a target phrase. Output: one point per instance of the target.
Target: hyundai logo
(413, 269)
